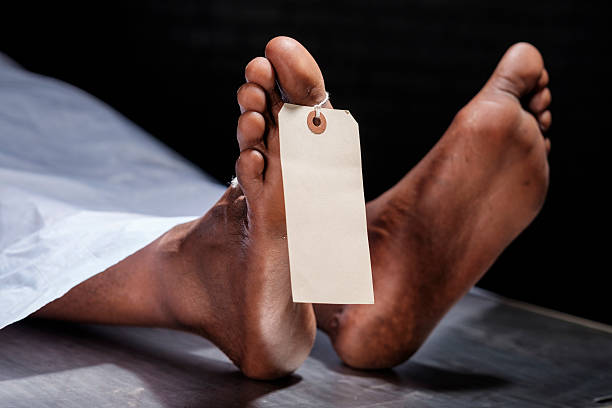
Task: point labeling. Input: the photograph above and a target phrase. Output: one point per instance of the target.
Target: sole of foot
(436, 232)
(234, 285)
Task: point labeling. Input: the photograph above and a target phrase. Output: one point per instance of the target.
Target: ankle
(175, 268)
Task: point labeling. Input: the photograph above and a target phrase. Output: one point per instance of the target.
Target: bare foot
(234, 285)
(226, 275)
(436, 232)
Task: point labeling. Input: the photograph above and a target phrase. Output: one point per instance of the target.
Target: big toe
(519, 70)
(298, 74)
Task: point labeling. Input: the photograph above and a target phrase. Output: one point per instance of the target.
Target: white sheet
(80, 189)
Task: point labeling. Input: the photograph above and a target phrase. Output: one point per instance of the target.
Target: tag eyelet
(314, 128)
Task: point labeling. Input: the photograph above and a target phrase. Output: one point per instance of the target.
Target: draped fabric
(80, 189)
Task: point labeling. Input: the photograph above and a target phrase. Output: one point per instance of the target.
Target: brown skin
(223, 276)
(226, 275)
(432, 236)
(435, 233)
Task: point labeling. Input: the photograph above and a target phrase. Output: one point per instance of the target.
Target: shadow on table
(412, 374)
(179, 368)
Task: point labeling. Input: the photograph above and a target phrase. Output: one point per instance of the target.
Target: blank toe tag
(327, 236)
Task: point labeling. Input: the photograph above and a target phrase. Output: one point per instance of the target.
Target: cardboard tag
(329, 256)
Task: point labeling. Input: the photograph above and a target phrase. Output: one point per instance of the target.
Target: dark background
(403, 68)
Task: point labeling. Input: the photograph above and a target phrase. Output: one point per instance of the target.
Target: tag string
(318, 106)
